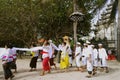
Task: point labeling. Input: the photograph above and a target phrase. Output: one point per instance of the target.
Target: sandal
(88, 76)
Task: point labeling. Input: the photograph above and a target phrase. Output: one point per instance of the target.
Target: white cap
(100, 44)
(92, 45)
(87, 42)
(50, 41)
(84, 44)
(78, 43)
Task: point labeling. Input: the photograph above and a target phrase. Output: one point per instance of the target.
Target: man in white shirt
(78, 56)
(84, 59)
(95, 59)
(89, 56)
(103, 57)
(51, 53)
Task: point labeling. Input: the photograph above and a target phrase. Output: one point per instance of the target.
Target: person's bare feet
(89, 76)
(15, 72)
(49, 71)
(12, 77)
(30, 70)
(43, 73)
(66, 70)
(35, 69)
(101, 70)
(94, 73)
(81, 69)
(107, 71)
(77, 69)
(55, 68)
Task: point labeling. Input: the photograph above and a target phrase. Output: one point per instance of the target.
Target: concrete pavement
(24, 74)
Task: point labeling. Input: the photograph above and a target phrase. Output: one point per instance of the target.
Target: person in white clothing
(95, 59)
(89, 55)
(70, 56)
(95, 56)
(84, 60)
(64, 61)
(103, 57)
(45, 57)
(7, 58)
(14, 54)
(78, 56)
(51, 53)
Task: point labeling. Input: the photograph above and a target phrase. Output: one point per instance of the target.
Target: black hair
(10, 45)
(34, 45)
(47, 43)
(64, 43)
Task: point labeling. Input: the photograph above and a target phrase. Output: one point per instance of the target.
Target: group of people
(91, 58)
(86, 58)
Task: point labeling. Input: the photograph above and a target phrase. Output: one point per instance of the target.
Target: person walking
(14, 54)
(95, 59)
(64, 62)
(33, 62)
(103, 58)
(84, 59)
(89, 56)
(78, 56)
(45, 57)
(7, 58)
(52, 53)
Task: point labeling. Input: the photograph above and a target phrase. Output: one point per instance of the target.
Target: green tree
(22, 20)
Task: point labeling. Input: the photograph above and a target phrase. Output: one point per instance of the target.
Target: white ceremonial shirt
(45, 49)
(78, 51)
(102, 53)
(95, 53)
(51, 50)
(84, 52)
(89, 51)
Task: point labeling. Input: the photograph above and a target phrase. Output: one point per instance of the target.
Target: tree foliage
(21, 21)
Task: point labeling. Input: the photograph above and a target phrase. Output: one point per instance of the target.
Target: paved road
(24, 74)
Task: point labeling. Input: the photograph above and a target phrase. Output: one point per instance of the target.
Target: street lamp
(76, 17)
